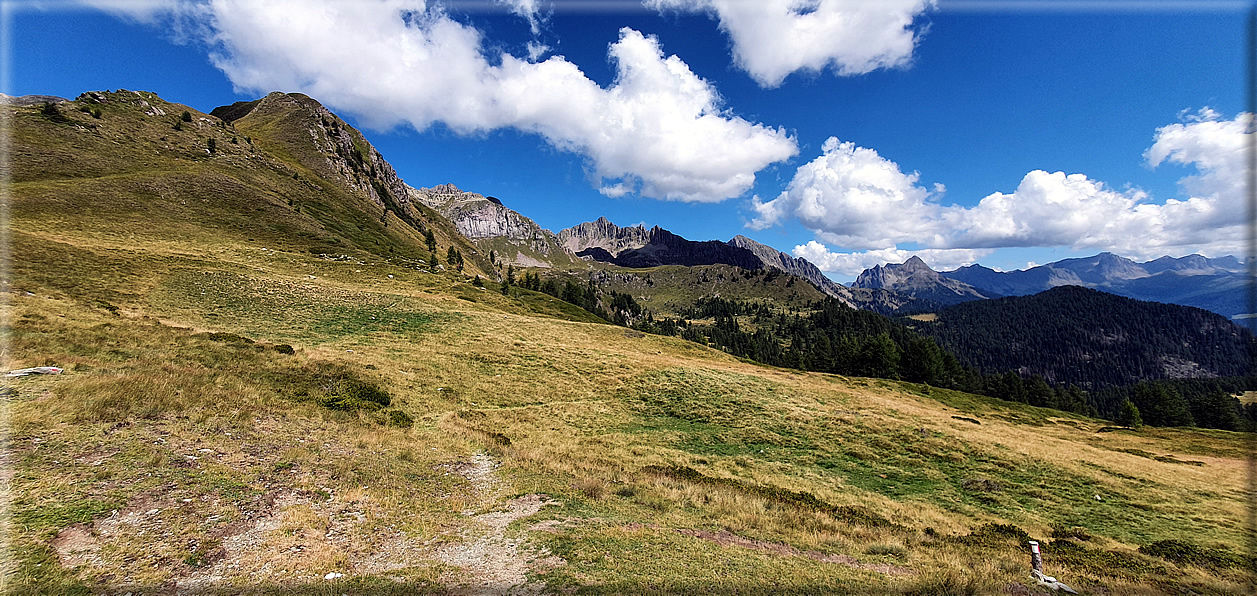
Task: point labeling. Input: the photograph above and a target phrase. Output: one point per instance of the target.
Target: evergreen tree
(879, 357)
(1038, 393)
(922, 362)
(430, 240)
(1161, 405)
(1128, 415)
(1217, 409)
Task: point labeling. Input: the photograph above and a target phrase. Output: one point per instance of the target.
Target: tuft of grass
(1187, 553)
(349, 393)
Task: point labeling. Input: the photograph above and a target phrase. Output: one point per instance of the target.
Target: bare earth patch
(495, 563)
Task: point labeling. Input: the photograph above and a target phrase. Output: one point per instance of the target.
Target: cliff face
(301, 127)
(604, 235)
(493, 226)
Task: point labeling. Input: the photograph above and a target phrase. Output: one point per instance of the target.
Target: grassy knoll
(250, 417)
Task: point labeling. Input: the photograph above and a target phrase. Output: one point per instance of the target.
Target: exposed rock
(604, 235)
(30, 100)
(914, 279)
(482, 218)
(794, 266)
(339, 151)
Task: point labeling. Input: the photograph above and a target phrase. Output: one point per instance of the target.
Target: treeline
(1207, 403)
(620, 309)
(834, 338)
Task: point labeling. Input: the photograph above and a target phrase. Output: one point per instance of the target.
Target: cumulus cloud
(853, 263)
(658, 128)
(774, 38)
(854, 198)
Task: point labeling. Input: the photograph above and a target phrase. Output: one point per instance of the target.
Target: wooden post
(1036, 559)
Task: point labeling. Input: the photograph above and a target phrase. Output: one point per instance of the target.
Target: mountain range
(1218, 285)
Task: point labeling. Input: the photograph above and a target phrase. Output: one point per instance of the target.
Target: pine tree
(1128, 415)
(1161, 405)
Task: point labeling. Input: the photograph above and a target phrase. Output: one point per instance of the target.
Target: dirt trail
(495, 561)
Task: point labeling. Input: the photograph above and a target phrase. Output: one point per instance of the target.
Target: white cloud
(536, 50)
(852, 264)
(658, 127)
(1216, 147)
(528, 9)
(854, 198)
(774, 38)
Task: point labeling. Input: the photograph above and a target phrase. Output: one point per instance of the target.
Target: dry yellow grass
(174, 454)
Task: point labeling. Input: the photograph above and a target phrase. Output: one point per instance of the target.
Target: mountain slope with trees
(1092, 339)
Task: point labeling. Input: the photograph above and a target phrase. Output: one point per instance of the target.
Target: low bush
(348, 393)
(1182, 552)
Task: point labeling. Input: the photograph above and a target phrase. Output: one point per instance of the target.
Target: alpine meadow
(258, 347)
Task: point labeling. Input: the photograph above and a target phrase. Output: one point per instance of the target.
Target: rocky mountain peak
(516, 238)
(916, 279)
(603, 234)
(326, 144)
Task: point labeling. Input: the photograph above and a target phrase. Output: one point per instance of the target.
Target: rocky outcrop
(30, 100)
(604, 235)
(482, 219)
(324, 143)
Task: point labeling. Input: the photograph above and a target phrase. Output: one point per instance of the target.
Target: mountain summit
(915, 279)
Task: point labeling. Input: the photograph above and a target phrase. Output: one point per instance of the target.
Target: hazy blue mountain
(1217, 285)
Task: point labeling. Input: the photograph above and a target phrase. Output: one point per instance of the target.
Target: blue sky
(959, 131)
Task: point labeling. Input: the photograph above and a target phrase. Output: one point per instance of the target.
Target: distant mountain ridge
(1217, 285)
(914, 279)
(515, 238)
(637, 247)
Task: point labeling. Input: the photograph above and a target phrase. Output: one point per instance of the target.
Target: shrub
(186, 117)
(400, 419)
(348, 393)
(1183, 552)
(592, 488)
(285, 349)
(1075, 532)
(212, 145)
(231, 338)
(53, 113)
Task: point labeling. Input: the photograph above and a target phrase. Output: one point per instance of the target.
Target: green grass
(178, 397)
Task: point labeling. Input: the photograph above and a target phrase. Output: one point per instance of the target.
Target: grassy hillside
(668, 290)
(247, 416)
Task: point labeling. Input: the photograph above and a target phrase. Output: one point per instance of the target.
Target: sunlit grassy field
(221, 426)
